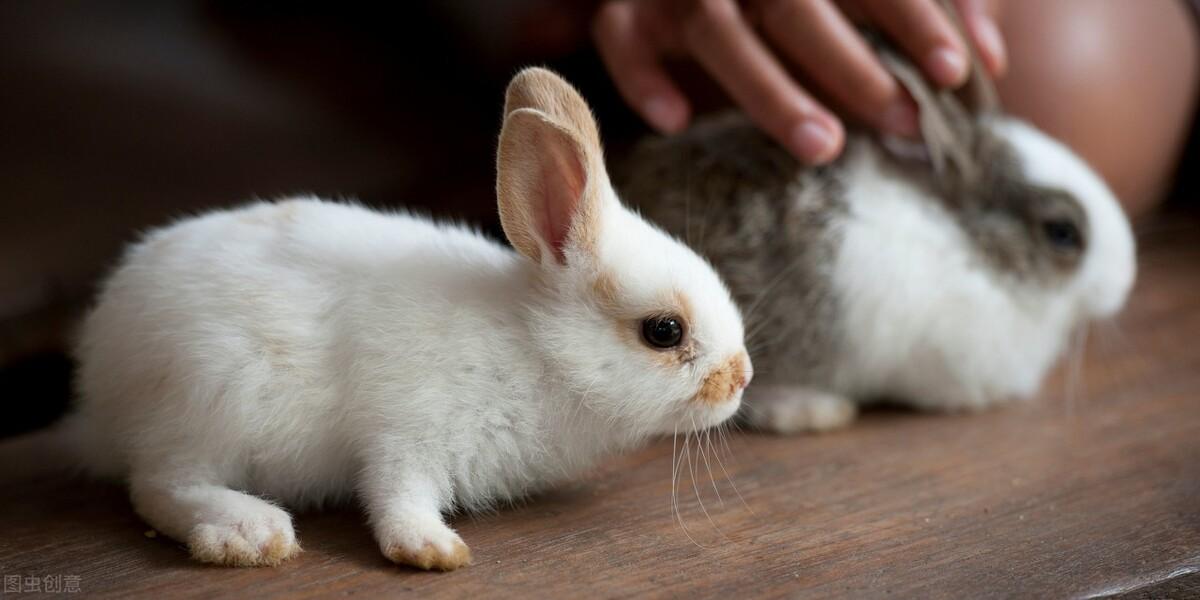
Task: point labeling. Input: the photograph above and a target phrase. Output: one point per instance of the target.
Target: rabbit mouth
(704, 416)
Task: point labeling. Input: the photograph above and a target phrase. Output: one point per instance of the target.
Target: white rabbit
(947, 284)
(305, 352)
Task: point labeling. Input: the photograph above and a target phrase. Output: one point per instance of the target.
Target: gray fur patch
(1004, 216)
(768, 225)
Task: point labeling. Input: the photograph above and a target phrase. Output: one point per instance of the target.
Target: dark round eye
(1062, 234)
(662, 332)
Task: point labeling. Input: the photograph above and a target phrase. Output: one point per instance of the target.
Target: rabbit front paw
(251, 540)
(787, 410)
(425, 543)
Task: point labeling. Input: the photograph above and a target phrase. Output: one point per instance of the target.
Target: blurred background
(117, 116)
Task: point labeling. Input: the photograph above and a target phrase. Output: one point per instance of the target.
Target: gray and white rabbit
(948, 275)
(301, 352)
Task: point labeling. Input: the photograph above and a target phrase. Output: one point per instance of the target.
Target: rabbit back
(232, 338)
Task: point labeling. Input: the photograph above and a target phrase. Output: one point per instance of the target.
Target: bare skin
(1117, 81)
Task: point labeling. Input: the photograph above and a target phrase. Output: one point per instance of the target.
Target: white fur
(308, 351)
(1110, 266)
(923, 320)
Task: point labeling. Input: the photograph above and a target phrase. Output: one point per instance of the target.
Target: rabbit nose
(747, 370)
(724, 381)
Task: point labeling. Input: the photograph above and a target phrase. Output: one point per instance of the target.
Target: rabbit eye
(662, 332)
(1062, 234)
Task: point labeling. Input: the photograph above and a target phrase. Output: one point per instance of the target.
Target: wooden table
(1092, 490)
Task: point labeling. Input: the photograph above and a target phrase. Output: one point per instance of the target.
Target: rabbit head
(638, 324)
(1038, 213)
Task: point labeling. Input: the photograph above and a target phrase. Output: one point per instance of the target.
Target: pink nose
(726, 380)
(747, 372)
(740, 364)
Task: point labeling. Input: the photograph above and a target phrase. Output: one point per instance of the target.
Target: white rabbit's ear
(544, 91)
(550, 177)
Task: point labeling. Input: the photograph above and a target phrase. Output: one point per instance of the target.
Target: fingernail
(900, 119)
(992, 44)
(814, 141)
(947, 66)
(663, 114)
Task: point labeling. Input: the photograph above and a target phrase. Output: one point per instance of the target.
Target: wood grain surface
(1093, 490)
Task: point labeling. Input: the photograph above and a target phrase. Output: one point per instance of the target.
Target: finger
(633, 61)
(816, 37)
(925, 32)
(728, 48)
(979, 20)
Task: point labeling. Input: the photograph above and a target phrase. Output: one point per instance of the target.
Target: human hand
(751, 47)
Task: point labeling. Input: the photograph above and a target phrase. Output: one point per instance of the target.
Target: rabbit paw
(265, 538)
(785, 410)
(430, 546)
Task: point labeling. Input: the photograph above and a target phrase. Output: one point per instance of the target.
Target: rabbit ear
(550, 179)
(979, 92)
(543, 90)
(948, 130)
(948, 122)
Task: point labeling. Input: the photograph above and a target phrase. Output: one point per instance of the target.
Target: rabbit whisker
(693, 467)
(779, 278)
(722, 437)
(676, 466)
(1077, 345)
(708, 467)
